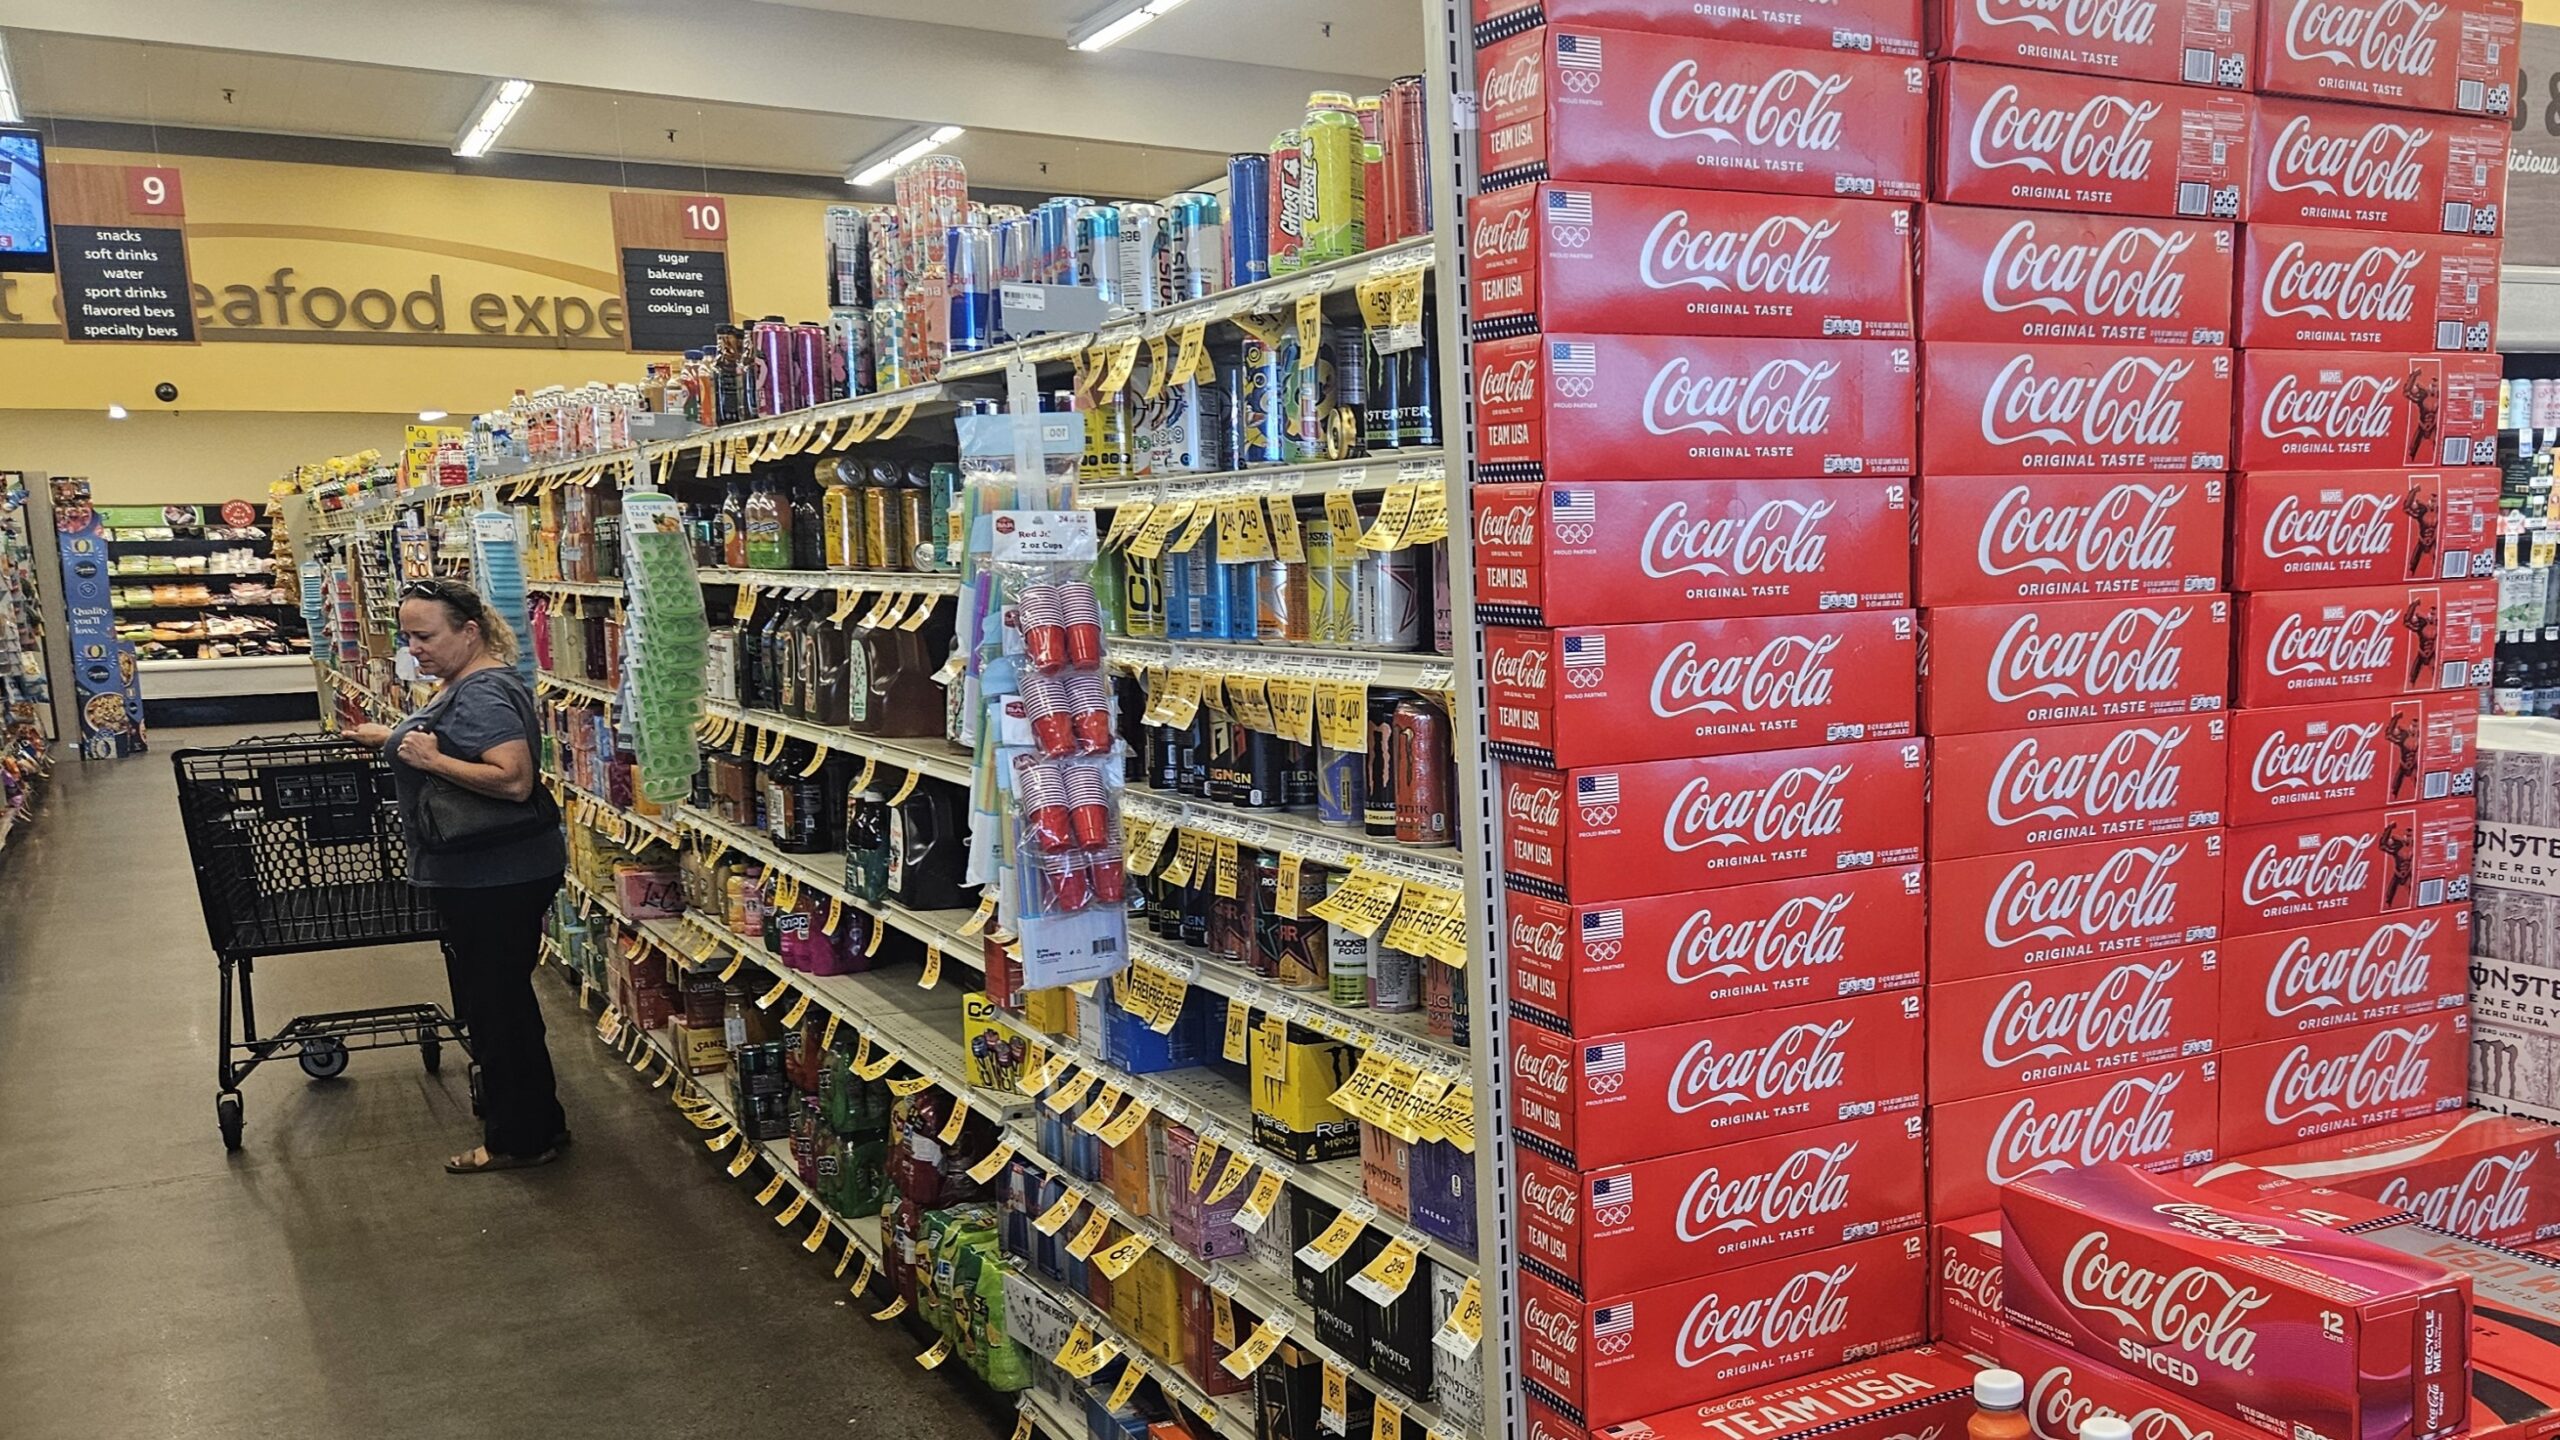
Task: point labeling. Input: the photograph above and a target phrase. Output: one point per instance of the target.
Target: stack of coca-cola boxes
(2363, 517)
(1696, 419)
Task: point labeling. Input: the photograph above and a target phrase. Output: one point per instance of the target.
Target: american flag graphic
(1573, 505)
(1608, 1320)
(1604, 1059)
(1596, 789)
(1571, 207)
(1613, 1189)
(1572, 357)
(1604, 925)
(1578, 52)
(1586, 649)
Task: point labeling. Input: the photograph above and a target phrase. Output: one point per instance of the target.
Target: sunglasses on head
(452, 592)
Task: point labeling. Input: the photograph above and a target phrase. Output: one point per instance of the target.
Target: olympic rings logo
(1583, 676)
(1574, 534)
(1613, 1344)
(1611, 1215)
(1570, 236)
(1601, 950)
(1574, 387)
(1606, 1084)
(1599, 814)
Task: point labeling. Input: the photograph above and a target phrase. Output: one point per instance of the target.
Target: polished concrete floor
(330, 1278)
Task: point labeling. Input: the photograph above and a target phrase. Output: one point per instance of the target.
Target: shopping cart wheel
(475, 1087)
(324, 1058)
(226, 1113)
(431, 1053)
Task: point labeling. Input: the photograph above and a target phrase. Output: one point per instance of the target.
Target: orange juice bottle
(1999, 1407)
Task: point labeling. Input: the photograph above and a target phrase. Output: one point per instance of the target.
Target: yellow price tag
(1232, 1045)
(772, 1188)
(835, 913)
(1293, 708)
(932, 975)
(978, 918)
(742, 1162)
(1287, 542)
(879, 1066)
(985, 1170)
(1060, 1211)
(827, 1037)
(1064, 1098)
(1159, 528)
(1246, 1358)
(1361, 903)
(721, 1141)
(1125, 1125)
(1390, 1272)
(1320, 1253)
(1310, 318)
(1191, 350)
(950, 1132)
(1101, 1108)
(1244, 534)
(891, 1311)
(1194, 530)
(1127, 1389)
(1124, 358)
(1333, 1415)
(765, 1001)
(1239, 1165)
(906, 787)
(1100, 1353)
(1386, 1418)
(1257, 1207)
(799, 1011)
(1081, 1244)
(1430, 521)
(1395, 516)
(1127, 521)
(1465, 1328)
(911, 1085)
(1156, 367)
(862, 1276)
(1022, 1427)
(817, 1235)
(1204, 1158)
(1222, 1320)
(1287, 885)
(730, 971)
(743, 609)
(1342, 714)
(1079, 1340)
(933, 1358)
(845, 1259)
(1342, 512)
(792, 1211)
(917, 618)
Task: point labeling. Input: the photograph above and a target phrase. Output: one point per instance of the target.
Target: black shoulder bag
(454, 817)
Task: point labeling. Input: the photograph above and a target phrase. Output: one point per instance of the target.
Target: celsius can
(1342, 778)
(1378, 785)
(1248, 219)
(1145, 257)
(1289, 200)
(1387, 600)
(1196, 246)
(1093, 237)
(1423, 781)
(969, 260)
(1331, 162)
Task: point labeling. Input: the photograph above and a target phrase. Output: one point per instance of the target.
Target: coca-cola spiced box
(1631, 1227)
(1612, 1099)
(1990, 540)
(1579, 103)
(2309, 287)
(2476, 1174)
(2515, 1331)
(1650, 260)
(2162, 1117)
(2033, 409)
(2300, 646)
(2314, 163)
(1607, 1360)
(1580, 406)
(2065, 1390)
(2326, 868)
(2040, 141)
(1998, 914)
(2363, 409)
(1604, 694)
(1703, 549)
(2295, 530)
(1923, 1393)
(2346, 1079)
(2002, 667)
(2286, 983)
(2001, 790)
(2294, 1327)
(2068, 1022)
(2005, 276)
(1696, 954)
(2451, 55)
(1964, 1283)
(1621, 831)
(2195, 42)
(2341, 756)
(1882, 27)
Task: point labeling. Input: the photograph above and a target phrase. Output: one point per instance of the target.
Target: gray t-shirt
(473, 715)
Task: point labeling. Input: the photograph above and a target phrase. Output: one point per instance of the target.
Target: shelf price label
(1287, 543)
(1257, 1207)
(1342, 715)
(1064, 1098)
(1244, 536)
(1114, 1260)
(1386, 1418)
(1430, 513)
(1333, 1415)
(1185, 863)
(1127, 1388)
(1249, 699)
(985, 1170)
(1388, 1274)
(1146, 844)
(1154, 995)
(1293, 708)
(1321, 1253)
(1127, 522)
(1184, 691)
(1288, 880)
(1230, 861)
(1239, 1165)
(1395, 517)
(1089, 1236)
(1119, 1130)
(1100, 1110)
(1465, 1328)
(1159, 528)
(1060, 1211)
(1204, 1158)
(1233, 1045)
(1361, 903)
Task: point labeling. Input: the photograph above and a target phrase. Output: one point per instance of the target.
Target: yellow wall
(191, 458)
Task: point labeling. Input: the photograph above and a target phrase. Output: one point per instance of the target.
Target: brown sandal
(465, 1164)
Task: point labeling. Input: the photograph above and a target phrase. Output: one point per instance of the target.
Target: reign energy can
(1335, 171)
(1248, 219)
(1290, 197)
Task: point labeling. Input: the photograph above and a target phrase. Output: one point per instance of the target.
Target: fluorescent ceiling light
(431, 416)
(913, 147)
(1118, 23)
(496, 109)
(117, 412)
(9, 112)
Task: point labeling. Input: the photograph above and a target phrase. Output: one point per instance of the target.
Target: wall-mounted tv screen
(26, 219)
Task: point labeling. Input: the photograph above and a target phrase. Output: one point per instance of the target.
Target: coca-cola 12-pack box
(2515, 1330)
(2000, 790)
(2033, 276)
(2341, 756)
(2003, 667)
(2326, 868)
(2366, 409)
(2294, 1327)
(1964, 1284)
(1598, 1100)
(1652, 260)
(2455, 55)
(1999, 914)
(2024, 409)
(2033, 139)
(1582, 103)
(1690, 549)
(1922, 1393)
(2342, 1080)
(2300, 646)
(1695, 954)
(1990, 540)
(1631, 1227)
(2161, 1117)
(2300, 529)
(1881, 27)
(1580, 406)
(2068, 1022)
(2317, 163)
(2475, 1174)
(2190, 42)
(2065, 1390)
(2310, 287)
(2281, 984)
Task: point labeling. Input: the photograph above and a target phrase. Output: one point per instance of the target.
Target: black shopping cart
(297, 847)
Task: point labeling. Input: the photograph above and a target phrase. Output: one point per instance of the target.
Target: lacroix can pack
(1881, 27)
(2366, 409)
(2344, 1079)
(2160, 1117)
(2285, 983)
(2002, 790)
(2348, 867)
(1651, 260)
(2001, 914)
(2300, 529)
(1579, 103)
(2070, 1022)
(2023, 409)
(2361, 642)
(1689, 549)
(2310, 287)
(2176, 42)
(2001, 667)
(2044, 278)
(2334, 164)
(2042, 141)
(1991, 539)
(2450, 55)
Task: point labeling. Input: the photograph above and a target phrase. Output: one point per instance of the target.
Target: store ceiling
(1375, 39)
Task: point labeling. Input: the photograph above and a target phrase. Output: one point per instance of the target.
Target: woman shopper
(491, 869)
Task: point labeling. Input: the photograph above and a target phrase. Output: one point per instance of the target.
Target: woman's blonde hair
(465, 607)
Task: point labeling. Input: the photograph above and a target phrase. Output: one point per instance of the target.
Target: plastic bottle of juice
(2106, 1427)
(2000, 1407)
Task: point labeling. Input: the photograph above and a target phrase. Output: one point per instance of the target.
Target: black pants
(492, 941)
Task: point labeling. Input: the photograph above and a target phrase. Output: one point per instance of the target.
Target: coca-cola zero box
(1990, 540)
(2039, 141)
(2476, 1174)
(1882, 27)
(2310, 287)
(2069, 1022)
(1650, 407)
(2065, 1390)
(2001, 276)
(1703, 549)
(2000, 790)
(2325, 868)
(1650, 260)
(2001, 667)
(2362, 527)
(1695, 954)
(2345, 1079)
(2162, 1117)
(2341, 756)
(2314, 163)
(2363, 409)
(2031, 409)
(1631, 1227)
(1611, 1099)
(1580, 103)
(1605, 694)
(2298, 646)
(1999, 914)
(1612, 1359)
(2195, 42)
(2292, 1326)
(2515, 1330)
(2452, 55)
(1923, 1393)
(2285, 983)
(1618, 832)
(1964, 1283)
